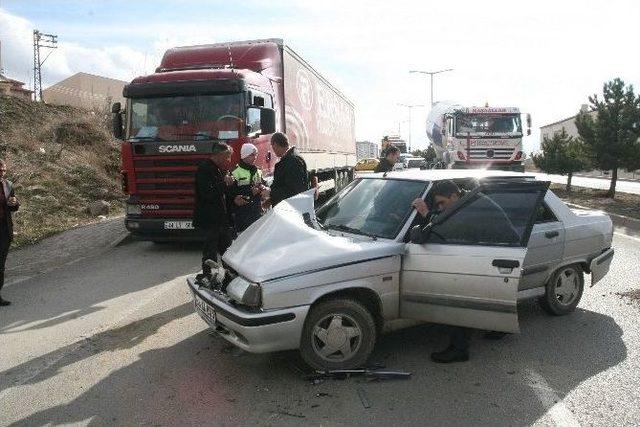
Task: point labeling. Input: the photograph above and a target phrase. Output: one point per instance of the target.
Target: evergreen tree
(612, 138)
(562, 154)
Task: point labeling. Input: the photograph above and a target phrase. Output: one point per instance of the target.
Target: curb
(628, 225)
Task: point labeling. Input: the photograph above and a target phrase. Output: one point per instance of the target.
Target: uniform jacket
(246, 177)
(290, 177)
(7, 186)
(212, 196)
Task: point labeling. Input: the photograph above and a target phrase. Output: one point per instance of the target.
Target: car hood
(281, 244)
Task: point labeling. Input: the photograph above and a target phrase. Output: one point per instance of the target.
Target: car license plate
(178, 225)
(205, 310)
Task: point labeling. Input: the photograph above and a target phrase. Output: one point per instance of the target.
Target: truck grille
(165, 185)
(490, 153)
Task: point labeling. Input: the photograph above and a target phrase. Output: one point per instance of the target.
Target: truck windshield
(187, 117)
(378, 207)
(488, 124)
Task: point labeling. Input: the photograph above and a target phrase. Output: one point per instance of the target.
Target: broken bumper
(259, 332)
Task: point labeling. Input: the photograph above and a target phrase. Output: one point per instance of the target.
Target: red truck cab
(197, 97)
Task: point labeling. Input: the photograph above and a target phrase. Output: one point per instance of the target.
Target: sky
(545, 57)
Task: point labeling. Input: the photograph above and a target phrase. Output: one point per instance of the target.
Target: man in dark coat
(8, 205)
(391, 155)
(290, 175)
(211, 214)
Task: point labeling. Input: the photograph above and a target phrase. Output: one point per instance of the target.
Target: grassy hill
(60, 159)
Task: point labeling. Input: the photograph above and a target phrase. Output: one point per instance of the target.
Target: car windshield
(187, 117)
(377, 207)
(483, 123)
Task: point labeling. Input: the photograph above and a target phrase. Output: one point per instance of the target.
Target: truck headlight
(244, 292)
(133, 209)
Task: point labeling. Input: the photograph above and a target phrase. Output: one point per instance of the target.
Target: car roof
(442, 174)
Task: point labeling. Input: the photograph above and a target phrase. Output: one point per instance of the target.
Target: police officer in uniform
(247, 202)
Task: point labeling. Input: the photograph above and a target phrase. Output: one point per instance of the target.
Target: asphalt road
(113, 340)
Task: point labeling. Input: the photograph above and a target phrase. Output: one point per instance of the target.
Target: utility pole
(431, 74)
(46, 41)
(410, 107)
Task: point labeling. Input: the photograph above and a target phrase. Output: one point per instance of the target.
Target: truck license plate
(205, 310)
(178, 225)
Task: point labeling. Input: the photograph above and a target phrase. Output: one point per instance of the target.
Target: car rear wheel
(563, 291)
(338, 334)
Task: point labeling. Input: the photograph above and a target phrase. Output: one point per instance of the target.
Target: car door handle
(506, 263)
(551, 234)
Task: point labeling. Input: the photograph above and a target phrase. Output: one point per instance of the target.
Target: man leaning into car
(445, 194)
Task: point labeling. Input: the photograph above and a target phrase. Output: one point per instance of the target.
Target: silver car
(329, 282)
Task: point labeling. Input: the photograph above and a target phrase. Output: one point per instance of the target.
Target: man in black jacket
(8, 205)
(290, 176)
(211, 214)
(391, 155)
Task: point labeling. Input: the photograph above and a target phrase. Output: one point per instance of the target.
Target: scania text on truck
(227, 92)
(477, 137)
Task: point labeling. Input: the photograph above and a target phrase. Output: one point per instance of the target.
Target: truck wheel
(563, 291)
(338, 334)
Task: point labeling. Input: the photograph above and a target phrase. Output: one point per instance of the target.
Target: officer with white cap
(247, 203)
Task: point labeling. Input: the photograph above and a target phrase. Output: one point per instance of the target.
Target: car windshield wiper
(346, 228)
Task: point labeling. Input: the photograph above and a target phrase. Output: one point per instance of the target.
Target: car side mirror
(116, 123)
(267, 121)
(116, 107)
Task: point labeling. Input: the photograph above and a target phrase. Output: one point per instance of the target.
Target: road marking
(617, 233)
(556, 409)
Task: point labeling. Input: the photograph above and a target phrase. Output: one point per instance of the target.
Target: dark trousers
(459, 338)
(216, 241)
(5, 242)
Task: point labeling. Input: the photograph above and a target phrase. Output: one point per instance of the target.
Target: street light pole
(431, 74)
(410, 106)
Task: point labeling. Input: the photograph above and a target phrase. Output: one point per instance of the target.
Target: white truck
(477, 137)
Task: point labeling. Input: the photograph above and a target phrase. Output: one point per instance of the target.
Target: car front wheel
(563, 291)
(338, 334)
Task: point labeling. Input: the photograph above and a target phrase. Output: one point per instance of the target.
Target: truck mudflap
(599, 266)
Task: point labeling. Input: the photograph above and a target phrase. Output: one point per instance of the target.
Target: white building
(88, 91)
(367, 150)
(568, 124)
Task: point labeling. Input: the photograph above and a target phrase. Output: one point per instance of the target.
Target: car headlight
(133, 209)
(244, 292)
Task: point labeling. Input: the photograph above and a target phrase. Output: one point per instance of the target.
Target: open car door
(465, 268)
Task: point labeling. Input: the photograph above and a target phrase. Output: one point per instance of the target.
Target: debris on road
(341, 374)
(363, 398)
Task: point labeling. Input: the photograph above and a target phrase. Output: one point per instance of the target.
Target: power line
(41, 41)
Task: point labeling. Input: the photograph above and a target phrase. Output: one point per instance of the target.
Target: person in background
(290, 176)
(391, 155)
(247, 201)
(213, 186)
(8, 205)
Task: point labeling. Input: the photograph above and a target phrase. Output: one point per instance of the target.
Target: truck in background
(477, 137)
(231, 92)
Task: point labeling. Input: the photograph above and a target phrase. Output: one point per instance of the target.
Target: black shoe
(4, 302)
(494, 335)
(451, 354)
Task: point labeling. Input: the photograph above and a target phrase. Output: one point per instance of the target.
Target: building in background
(88, 91)
(569, 126)
(14, 88)
(367, 150)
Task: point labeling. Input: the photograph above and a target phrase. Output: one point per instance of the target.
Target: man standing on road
(8, 205)
(391, 155)
(211, 213)
(290, 176)
(445, 194)
(249, 186)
